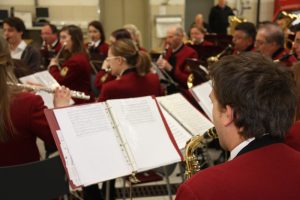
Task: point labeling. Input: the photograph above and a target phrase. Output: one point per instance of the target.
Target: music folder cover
(116, 138)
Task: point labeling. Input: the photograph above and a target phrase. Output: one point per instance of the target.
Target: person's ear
(227, 115)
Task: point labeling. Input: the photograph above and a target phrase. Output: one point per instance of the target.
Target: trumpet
(74, 94)
(213, 59)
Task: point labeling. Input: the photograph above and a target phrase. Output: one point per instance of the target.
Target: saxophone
(196, 142)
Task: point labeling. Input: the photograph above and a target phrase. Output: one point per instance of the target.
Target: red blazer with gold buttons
(75, 74)
(130, 84)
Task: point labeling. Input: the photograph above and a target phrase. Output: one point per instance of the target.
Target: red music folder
(107, 140)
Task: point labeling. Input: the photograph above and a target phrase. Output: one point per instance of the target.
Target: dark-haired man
(14, 30)
(51, 44)
(244, 37)
(254, 105)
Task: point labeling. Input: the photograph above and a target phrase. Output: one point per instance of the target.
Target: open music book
(183, 118)
(201, 94)
(45, 79)
(107, 140)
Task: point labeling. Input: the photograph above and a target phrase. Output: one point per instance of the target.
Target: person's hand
(105, 65)
(62, 97)
(164, 64)
(53, 62)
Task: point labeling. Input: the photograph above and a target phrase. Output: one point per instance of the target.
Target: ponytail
(143, 63)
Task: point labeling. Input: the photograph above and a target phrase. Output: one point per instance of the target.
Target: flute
(74, 94)
(58, 54)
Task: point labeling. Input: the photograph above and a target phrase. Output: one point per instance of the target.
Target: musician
(174, 62)
(244, 37)
(103, 76)
(51, 44)
(22, 116)
(296, 45)
(197, 36)
(250, 124)
(199, 22)
(132, 66)
(75, 71)
(27, 57)
(135, 35)
(270, 42)
(97, 48)
(293, 137)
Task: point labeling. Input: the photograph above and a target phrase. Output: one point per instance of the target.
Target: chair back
(41, 180)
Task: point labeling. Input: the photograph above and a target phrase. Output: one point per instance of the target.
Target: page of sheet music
(90, 137)
(187, 115)
(46, 79)
(144, 132)
(180, 134)
(202, 92)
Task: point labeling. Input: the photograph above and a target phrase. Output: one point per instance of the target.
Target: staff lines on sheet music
(183, 126)
(122, 141)
(84, 126)
(131, 115)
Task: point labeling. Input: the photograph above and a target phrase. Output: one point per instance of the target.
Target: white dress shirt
(17, 53)
(239, 147)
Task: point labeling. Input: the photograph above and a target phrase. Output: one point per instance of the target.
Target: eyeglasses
(260, 42)
(111, 58)
(108, 59)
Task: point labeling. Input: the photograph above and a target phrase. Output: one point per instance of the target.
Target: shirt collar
(95, 44)
(239, 147)
(22, 45)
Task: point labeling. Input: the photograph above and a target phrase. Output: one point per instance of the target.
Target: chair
(41, 180)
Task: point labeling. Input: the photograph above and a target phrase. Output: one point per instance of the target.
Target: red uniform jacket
(130, 85)
(293, 137)
(100, 51)
(282, 55)
(48, 52)
(101, 78)
(269, 172)
(75, 74)
(250, 48)
(27, 115)
(180, 72)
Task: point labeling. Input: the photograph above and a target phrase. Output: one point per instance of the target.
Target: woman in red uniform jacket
(132, 67)
(75, 71)
(293, 137)
(103, 76)
(22, 117)
(97, 48)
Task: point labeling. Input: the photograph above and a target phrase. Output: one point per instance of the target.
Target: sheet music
(201, 93)
(188, 116)
(144, 133)
(180, 134)
(90, 138)
(45, 79)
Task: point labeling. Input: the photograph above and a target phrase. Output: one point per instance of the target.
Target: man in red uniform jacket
(174, 62)
(251, 125)
(270, 42)
(244, 37)
(296, 44)
(51, 44)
